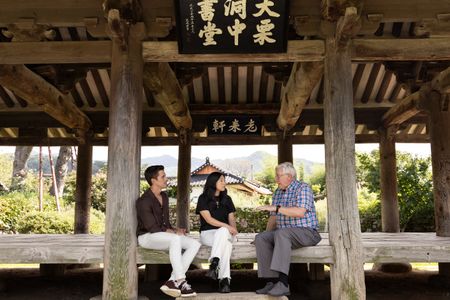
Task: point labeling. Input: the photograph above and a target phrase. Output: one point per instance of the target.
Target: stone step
(234, 296)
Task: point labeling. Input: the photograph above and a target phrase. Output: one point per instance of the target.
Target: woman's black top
(219, 210)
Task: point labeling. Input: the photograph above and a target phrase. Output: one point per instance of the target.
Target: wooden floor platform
(235, 296)
(67, 248)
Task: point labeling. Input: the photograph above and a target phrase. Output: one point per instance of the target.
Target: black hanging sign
(234, 125)
(232, 26)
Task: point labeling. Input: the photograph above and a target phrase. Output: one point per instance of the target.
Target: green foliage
(6, 167)
(301, 171)
(322, 214)
(415, 193)
(370, 215)
(241, 199)
(317, 179)
(13, 207)
(247, 219)
(368, 171)
(267, 175)
(45, 222)
(19, 214)
(251, 220)
(98, 190)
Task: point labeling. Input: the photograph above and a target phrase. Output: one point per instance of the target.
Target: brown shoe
(186, 290)
(170, 288)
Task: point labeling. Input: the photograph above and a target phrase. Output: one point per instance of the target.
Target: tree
(19, 173)
(65, 154)
(267, 175)
(415, 190)
(317, 180)
(6, 163)
(301, 171)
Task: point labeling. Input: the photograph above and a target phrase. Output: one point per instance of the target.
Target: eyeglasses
(279, 176)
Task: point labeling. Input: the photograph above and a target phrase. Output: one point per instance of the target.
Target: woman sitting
(217, 228)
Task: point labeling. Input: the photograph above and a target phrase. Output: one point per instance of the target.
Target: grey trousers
(273, 248)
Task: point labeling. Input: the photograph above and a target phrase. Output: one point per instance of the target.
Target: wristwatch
(278, 208)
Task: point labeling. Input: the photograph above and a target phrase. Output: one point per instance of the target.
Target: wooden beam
(83, 187)
(304, 77)
(434, 49)
(348, 26)
(390, 218)
(55, 52)
(347, 274)
(120, 276)
(416, 102)
(30, 86)
(440, 154)
(184, 178)
(260, 109)
(162, 82)
(285, 153)
(363, 50)
(407, 108)
(208, 141)
(306, 50)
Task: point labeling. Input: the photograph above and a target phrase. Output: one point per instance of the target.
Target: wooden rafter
(303, 79)
(416, 102)
(162, 82)
(30, 86)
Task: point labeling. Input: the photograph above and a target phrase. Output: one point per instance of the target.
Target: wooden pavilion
(110, 73)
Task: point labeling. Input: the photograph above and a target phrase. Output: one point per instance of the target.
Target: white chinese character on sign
(264, 7)
(238, 7)
(251, 126)
(206, 9)
(209, 31)
(218, 125)
(264, 32)
(236, 30)
(234, 126)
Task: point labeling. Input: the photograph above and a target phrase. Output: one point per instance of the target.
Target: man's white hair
(287, 168)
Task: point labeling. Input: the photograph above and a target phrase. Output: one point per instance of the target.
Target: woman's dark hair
(210, 186)
(152, 172)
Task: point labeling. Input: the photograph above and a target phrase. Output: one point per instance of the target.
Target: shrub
(13, 207)
(48, 222)
(247, 219)
(98, 190)
(370, 215)
(19, 214)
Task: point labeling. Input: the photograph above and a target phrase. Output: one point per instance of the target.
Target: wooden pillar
(347, 273)
(120, 276)
(184, 178)
(388, 181)
(440, 154)
(83, 187)
(284, 147)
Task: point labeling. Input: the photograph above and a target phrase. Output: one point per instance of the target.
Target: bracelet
(278, 208)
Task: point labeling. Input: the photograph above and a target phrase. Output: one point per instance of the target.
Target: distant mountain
(253, 164)
(170, 163)
(246, 166)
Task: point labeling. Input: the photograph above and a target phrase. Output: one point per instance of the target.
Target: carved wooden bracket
(26, 30)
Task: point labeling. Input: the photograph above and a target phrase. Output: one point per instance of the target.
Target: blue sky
(314, 153)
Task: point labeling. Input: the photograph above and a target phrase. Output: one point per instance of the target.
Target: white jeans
(221, 242)
(174, 243)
